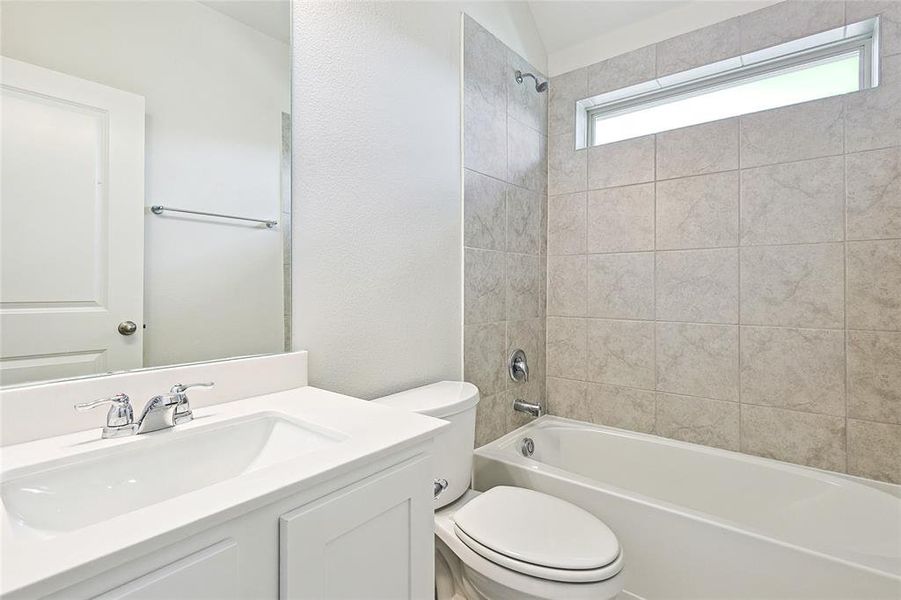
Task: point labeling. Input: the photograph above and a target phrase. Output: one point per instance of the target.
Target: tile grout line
(845, 269)
(738, 273)
(684, 395)
(654, 282)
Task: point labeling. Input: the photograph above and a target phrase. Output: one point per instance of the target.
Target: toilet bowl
(506, 543)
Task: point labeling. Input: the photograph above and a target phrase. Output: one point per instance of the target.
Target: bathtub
(698, 522)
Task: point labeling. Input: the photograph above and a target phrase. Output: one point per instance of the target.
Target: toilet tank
(455, 402)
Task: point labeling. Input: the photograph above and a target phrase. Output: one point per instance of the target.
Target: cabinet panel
(211, 574)
(371, 540)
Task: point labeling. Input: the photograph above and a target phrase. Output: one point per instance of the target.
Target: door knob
(127, 327)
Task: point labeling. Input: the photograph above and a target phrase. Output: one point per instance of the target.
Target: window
(827, 64)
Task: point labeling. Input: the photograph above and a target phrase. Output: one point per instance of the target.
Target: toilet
(506, 543)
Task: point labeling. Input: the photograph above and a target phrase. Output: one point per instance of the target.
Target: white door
(71, 225)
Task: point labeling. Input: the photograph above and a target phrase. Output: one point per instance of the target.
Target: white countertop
(372, 431)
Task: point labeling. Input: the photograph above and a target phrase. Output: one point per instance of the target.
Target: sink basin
(61, 496)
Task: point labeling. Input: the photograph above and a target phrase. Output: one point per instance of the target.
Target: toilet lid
(535, 528)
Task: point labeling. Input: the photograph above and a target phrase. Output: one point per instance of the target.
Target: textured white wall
(215, 90)
(377, 187)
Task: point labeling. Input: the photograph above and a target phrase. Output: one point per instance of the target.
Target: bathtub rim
(500, 450)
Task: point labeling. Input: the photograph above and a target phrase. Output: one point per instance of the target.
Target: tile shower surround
(736, 283)
(505, 203)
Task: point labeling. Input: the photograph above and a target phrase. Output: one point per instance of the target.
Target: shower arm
(539, 86)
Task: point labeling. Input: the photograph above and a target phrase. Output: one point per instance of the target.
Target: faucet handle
(183, 412)
(120, 418)
(119, 400)
(518, 366)
(180, 388)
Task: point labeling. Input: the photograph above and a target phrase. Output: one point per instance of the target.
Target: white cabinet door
(371, 540)
(210, 574)
(71, 225)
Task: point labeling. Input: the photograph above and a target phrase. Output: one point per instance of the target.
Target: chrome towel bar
(158, 210)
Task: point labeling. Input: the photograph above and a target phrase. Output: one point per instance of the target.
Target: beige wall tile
(567, 167)
(795, 286)
(542, 223)
(567, 286)
(563, 93)
(484, 136)
(621, 286)
(567, 223)
(621, 407)
(484, 62)
(874, 285)
(698, 420)
(796, 132)
(567, 398)
(523, 220)
(567, 348)
(522, 286)
(621, 219)
(504, 279)
(491, 416)
(622, 71)
(788, 21)
(889, 12)
(696, 150)
(874, 450)
(699, 47)
(698, 212)
(797, 437)
(484, 295)
(523, 104)
(527, 335)
(697, 285)
(874, 376)
(698, 360)
(483, 212)
(800, 369)
(484, 355)
(526, 158)
(873, 118)
(621, 163)
(800, 202)
(874, 194)
(542, 285)
(621, 352)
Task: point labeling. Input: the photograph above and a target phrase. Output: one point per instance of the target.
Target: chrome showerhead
(540, 86)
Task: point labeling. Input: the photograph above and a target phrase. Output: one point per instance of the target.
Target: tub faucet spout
(527, 407)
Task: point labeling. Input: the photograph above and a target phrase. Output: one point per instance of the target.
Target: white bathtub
(697, 522)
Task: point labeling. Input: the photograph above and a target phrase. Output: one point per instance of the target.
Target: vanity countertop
(338, 434)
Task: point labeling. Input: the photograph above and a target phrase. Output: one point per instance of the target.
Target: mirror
(145, 184)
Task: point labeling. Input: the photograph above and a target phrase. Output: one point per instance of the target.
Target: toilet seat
(561, 575)
(538, 535)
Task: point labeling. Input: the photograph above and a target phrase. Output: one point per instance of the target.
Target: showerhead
(540, 86)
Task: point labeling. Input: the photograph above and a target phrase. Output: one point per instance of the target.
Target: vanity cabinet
(365, 534)
(360, 542)
(210, 574)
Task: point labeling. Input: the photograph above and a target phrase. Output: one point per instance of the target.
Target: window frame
(860, 38)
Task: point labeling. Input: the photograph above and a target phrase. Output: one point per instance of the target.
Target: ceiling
(270, 17)
(563, 24)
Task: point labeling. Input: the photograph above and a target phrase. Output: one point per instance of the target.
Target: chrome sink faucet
(161, 412)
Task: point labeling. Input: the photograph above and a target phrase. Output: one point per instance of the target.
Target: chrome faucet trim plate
(519, 366)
